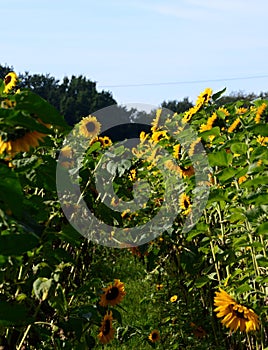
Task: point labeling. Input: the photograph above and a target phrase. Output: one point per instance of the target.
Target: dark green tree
(178, 106)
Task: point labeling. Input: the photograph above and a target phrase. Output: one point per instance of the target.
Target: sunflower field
(195, 278)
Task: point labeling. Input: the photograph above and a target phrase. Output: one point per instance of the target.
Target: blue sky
(135, 42)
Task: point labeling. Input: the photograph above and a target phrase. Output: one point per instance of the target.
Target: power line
(183, 82)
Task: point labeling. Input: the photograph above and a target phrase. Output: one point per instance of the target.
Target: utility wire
(184, 82)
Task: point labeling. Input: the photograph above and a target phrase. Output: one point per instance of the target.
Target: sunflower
(159, 286)
(262, 140)
(188, 114)
(67, 151)
(89, 126)
(105, 141)
(10, 81)
(209, 124)
(67, 154)
(236, 316)
(159, 135)
(185, 204)
(173, 298)
(187, 172)
(143, 137)
(170, 165)
(154, 336)
(176, 151)
(133, 175)
(106, 330)
(193, 146)
(155, 122)
(224, 111)
(203, 98)
(241, 110)
(259, 113)
(234, 125)
(113, 294)
(22, 143)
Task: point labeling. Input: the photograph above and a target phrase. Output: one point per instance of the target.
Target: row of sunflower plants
(55, 290)
(218, 269)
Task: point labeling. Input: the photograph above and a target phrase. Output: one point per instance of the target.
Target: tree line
(76, 97)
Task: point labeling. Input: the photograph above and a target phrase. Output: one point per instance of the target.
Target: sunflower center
(186, 204)
(112, 293)
(8, 79)
(90, 126)
(19, 133)
(154, 336)
(106, 327)
(240, 314)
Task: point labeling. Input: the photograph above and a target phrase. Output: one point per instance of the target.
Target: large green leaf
(17, 244)
(220, 158)
(13, 314)
(10, 190)
(35, 104)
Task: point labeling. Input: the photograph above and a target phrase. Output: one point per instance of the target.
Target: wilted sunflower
(113, 294)
(185, 204)
(89, 126)
(236, 316)
(106, 330)
(10, 81)
(154, 336)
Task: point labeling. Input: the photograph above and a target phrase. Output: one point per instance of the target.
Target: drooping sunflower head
(154, 336)
(106, 330)
(89, 126)
(20, 140)
(10, 81)
(235, 316)
(113, 294)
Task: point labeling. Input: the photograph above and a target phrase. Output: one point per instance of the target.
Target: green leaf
(263, 229)
(217, 195)
(201, 281)
(243, 288)
(17, 244)
(227, 174)
(220, 158)
(260, 129)
(10, 190)
(218, 94)
(36, 105)
(239, 148)
(261, 180)
(258, 199)
(13, 314)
